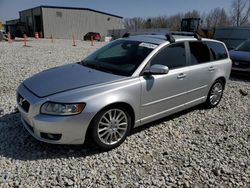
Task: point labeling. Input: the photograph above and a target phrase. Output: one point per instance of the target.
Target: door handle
(181, 76)
(211, 69)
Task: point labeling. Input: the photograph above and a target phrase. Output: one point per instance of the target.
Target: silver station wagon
(125, 84)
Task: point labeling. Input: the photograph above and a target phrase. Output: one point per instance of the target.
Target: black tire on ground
(215, 94)
(99, 123)
(1, 36)
(12, 36)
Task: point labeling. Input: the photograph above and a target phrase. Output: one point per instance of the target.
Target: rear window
(199, 52)
(217, 50)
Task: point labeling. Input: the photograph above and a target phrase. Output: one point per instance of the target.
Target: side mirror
(157, 69)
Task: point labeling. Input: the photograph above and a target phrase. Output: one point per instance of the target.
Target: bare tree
(240, 12)
(175, 22)
(216, 18)
(192, 14)
(160, 22)
(148, 23)
(134, 23)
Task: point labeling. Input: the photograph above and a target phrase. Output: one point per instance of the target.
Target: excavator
(194, 25)
(1, 32)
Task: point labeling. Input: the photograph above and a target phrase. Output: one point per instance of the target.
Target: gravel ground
(196, 148)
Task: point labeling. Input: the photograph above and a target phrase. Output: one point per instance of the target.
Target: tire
(215, 94)
(12, 36)
(1, 36)
(110, 127)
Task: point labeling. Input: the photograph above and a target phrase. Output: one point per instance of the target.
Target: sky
(126, 8)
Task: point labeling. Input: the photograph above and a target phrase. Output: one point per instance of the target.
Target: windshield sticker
(148, 45)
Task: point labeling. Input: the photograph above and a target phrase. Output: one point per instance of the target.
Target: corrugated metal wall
(63, 23)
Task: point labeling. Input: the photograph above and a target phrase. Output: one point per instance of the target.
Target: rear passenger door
(201, 72)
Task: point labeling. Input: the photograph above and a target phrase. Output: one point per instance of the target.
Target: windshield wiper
(96, 67)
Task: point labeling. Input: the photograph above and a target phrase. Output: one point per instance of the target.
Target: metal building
(63, 22)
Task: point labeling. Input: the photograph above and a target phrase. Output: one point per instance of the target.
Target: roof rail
(170, 38)
(195, 35)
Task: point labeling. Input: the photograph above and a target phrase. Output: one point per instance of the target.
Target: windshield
(121, 57)
(245, 46)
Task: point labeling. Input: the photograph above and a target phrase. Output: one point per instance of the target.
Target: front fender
(98, 97)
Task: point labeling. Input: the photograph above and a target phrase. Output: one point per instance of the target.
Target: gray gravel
(196, 148)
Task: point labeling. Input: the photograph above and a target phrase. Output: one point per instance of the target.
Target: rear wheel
(215, 94)
(110, 128)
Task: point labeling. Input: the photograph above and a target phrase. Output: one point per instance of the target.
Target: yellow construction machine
(194, 25)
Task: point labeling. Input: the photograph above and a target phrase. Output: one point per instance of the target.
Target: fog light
(50, 136)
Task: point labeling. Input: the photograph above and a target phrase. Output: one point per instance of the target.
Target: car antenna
(170, 38)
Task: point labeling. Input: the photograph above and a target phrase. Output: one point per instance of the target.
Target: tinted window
(217, 50)
(121, 57)
(173, 56)
(199, 52)
(245, 46)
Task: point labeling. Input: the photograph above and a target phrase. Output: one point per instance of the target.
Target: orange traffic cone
(36, 35)
(9, 38)
(51, 37)
(74, 42)
(24, 39)
(92, 41)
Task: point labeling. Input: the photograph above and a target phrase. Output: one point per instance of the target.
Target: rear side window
(173, 56)
(199, 52)
(218, 50)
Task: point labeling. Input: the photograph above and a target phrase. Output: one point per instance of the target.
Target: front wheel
(215, 94)
(110, 128)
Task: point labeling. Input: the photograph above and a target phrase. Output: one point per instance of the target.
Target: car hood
(66, 78)
(239, 55)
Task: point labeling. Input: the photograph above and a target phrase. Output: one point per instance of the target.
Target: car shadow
(16, 143)
(167, 118)
(239, 76)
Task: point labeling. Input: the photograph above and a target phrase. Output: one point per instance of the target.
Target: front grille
(23, 103)
(241, 64)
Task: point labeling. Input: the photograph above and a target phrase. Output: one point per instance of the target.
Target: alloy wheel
(112, 126)
(216, 93)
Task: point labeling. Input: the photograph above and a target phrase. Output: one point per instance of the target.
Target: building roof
(74, 8)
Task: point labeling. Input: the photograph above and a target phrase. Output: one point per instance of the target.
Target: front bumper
(241, 69)
(52, 129)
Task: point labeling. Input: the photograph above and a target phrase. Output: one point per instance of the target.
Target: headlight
(62, 109)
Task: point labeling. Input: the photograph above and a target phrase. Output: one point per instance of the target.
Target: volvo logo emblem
(21, 100)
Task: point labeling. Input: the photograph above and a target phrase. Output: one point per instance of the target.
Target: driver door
(165, 94)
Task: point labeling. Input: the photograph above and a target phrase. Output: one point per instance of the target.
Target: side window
(173, 56)
(218, 50)
(199, 52)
